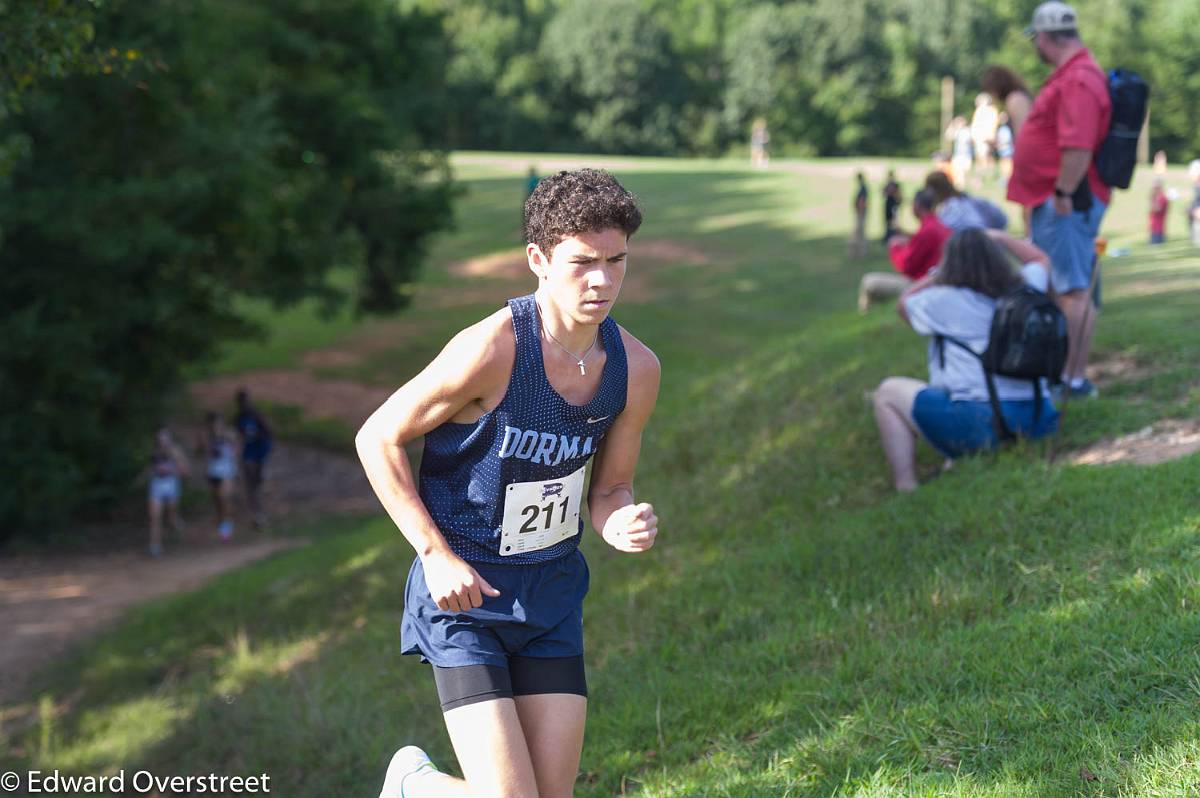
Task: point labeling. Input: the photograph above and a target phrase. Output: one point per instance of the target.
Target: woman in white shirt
(959, 210)
(952, 410)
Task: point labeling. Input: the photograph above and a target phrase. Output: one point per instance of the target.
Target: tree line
(831, 77)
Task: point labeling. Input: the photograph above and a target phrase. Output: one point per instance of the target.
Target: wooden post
(947, 106)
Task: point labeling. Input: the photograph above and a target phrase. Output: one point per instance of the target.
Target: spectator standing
(1054, 173)
(1160, 203)
(961, 152)
(858, 243)
(760, 157)
(893, 197)
(1193, 211)
(912, 256)
(1004, 148)
(531, 180)
(1009, 93)
(983, 131)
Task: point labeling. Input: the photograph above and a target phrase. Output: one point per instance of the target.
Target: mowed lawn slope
(1016, 627)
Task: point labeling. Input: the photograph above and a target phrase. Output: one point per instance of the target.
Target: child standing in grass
(858, 240)
(511, 411)
(1160, 203)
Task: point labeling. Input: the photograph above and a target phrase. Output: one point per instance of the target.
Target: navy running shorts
(539, 613)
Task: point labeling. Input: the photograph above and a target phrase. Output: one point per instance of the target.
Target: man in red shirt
(1054, 174)
(912, 256)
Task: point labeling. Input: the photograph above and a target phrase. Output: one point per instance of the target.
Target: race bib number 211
(539, 514)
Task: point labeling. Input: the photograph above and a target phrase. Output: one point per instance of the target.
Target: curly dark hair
(1000, 81)
(972, 260)
(581, 201)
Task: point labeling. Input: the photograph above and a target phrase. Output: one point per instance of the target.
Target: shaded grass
(1014, 628)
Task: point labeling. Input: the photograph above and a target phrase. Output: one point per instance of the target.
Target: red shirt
(1158, 212)
(923, 251)
(1071, 111)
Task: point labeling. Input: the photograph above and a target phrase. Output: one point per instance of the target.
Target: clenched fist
(631, 528)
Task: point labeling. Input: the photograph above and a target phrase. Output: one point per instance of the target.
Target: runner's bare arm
(622, 523)
(461, 382)
(919, 285)
(181, 460)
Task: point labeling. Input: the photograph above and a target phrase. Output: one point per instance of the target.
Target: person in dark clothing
(858, 242)
(893, 197)
(256, 448)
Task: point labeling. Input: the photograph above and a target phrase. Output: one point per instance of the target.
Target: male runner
(512, 410)
(256, 448)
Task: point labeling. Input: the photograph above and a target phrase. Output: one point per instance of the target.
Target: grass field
(1015, 628)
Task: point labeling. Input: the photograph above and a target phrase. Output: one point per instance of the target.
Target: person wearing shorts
(912, 256)
(221, 471)
(167, 465)
(952, 410)
(1054, 174)
(511, 411)
(256, 448)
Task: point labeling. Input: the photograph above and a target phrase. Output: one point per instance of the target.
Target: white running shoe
(408, 761)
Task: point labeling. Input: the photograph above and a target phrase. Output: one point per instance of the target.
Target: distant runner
(168, 464)
(512, 410)
(256, 448)
(222, 468)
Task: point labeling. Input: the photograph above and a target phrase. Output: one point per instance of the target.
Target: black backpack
(1028, 340)
(1118, 153)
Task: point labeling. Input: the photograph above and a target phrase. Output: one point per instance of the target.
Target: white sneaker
(408, 761)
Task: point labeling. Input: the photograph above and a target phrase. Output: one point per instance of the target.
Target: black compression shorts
(471, 684)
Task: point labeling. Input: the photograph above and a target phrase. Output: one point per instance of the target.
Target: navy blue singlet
(532, 435)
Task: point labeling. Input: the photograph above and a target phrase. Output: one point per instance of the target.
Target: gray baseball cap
(1052, 16)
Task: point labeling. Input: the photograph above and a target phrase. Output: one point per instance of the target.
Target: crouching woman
(952, 410)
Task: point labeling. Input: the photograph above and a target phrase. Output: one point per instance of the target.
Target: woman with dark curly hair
(1009, 92)
(511, 412)
(952, 411)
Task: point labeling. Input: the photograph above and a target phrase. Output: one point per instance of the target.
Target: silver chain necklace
(578, 358)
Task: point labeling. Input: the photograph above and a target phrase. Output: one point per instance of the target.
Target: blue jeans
(959, 428)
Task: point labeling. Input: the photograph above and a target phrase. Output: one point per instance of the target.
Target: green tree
(615, 69)
(496, 83)
(38, 40)
(246, 150)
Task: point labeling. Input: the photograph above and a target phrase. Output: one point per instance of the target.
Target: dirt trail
(1158, 443)
(49, 604)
